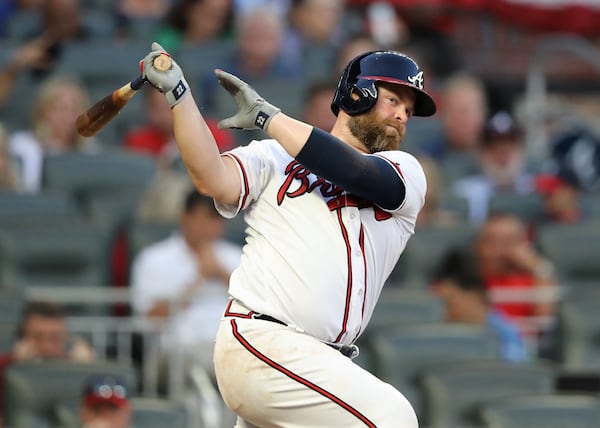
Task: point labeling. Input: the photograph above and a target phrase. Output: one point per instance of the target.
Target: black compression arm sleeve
(369, 177)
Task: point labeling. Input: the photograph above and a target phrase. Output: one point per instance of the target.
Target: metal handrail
(101, 327)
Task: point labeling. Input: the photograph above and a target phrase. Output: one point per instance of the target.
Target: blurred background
(490, 318)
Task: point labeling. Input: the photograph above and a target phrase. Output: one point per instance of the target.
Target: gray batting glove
(253, 111)
(170, 82)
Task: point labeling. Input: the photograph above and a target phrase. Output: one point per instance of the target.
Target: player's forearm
(289, 132)
(207, 169)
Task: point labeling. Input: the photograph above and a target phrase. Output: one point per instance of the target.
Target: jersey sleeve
(411, 173)
(255, 167)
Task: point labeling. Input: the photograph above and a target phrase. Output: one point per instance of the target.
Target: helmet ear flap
(361, 98)
(346, 87)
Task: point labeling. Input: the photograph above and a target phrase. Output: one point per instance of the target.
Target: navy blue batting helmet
(362, 73)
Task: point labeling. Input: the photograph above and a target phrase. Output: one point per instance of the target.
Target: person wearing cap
(503, 168)
(105, 403)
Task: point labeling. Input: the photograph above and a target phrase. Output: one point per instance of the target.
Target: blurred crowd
(501, 159)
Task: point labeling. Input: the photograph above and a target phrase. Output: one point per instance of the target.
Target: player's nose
(401, 113)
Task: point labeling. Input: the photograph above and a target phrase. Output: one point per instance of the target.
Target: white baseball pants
(273, 376)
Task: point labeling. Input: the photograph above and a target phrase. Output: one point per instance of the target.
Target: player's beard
(373, 132)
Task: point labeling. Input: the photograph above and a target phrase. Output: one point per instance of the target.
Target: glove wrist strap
(178, 93)
(264, 116)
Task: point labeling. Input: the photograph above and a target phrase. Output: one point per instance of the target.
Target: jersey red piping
(228, 312)
(349, 283)
(244, 178)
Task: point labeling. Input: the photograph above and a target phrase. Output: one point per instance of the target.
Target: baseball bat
(102, 112)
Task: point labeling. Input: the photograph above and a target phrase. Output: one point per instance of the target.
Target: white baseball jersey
(316, 257)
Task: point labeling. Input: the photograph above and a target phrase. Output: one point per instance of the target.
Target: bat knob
(162, 62)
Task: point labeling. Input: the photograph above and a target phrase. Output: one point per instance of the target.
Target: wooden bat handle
(98, 115)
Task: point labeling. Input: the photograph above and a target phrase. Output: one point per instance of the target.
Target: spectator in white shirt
(182, 281)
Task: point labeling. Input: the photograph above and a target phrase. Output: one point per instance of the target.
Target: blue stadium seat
(454, 393)
(401, 355)
(35, 392)
(424, 249)
(542, 411)
(66, 254)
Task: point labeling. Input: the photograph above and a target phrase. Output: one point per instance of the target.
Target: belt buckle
(350, 351)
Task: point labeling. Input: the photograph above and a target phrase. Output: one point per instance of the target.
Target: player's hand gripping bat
(98, 115)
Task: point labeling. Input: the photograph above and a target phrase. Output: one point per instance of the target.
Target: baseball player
(328, 216)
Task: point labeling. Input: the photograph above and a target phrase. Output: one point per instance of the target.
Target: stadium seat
(116, 208)
(423, 251)
(455, 206)
(22, 24)
(454, 168)
(572, 248)
(454, 393)
(7, 336)
(34, 392)
(140, 234)
(401, 355)
(580, 288)
(396, 308)
(400, 306)
(17, 114)
(12, 300)
(543, 411)
(590, 204)
(20, 208)
(421, 130)
(98, 61)
(318, 62)
(66, 253)
(159, 413)
(142, 29)
(579, 325)
(526, 207)
(200, 60)
(84, 173)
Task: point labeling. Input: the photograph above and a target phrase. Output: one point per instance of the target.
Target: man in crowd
(42, 334)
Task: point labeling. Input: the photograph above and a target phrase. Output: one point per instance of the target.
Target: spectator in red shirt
(520, 281)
